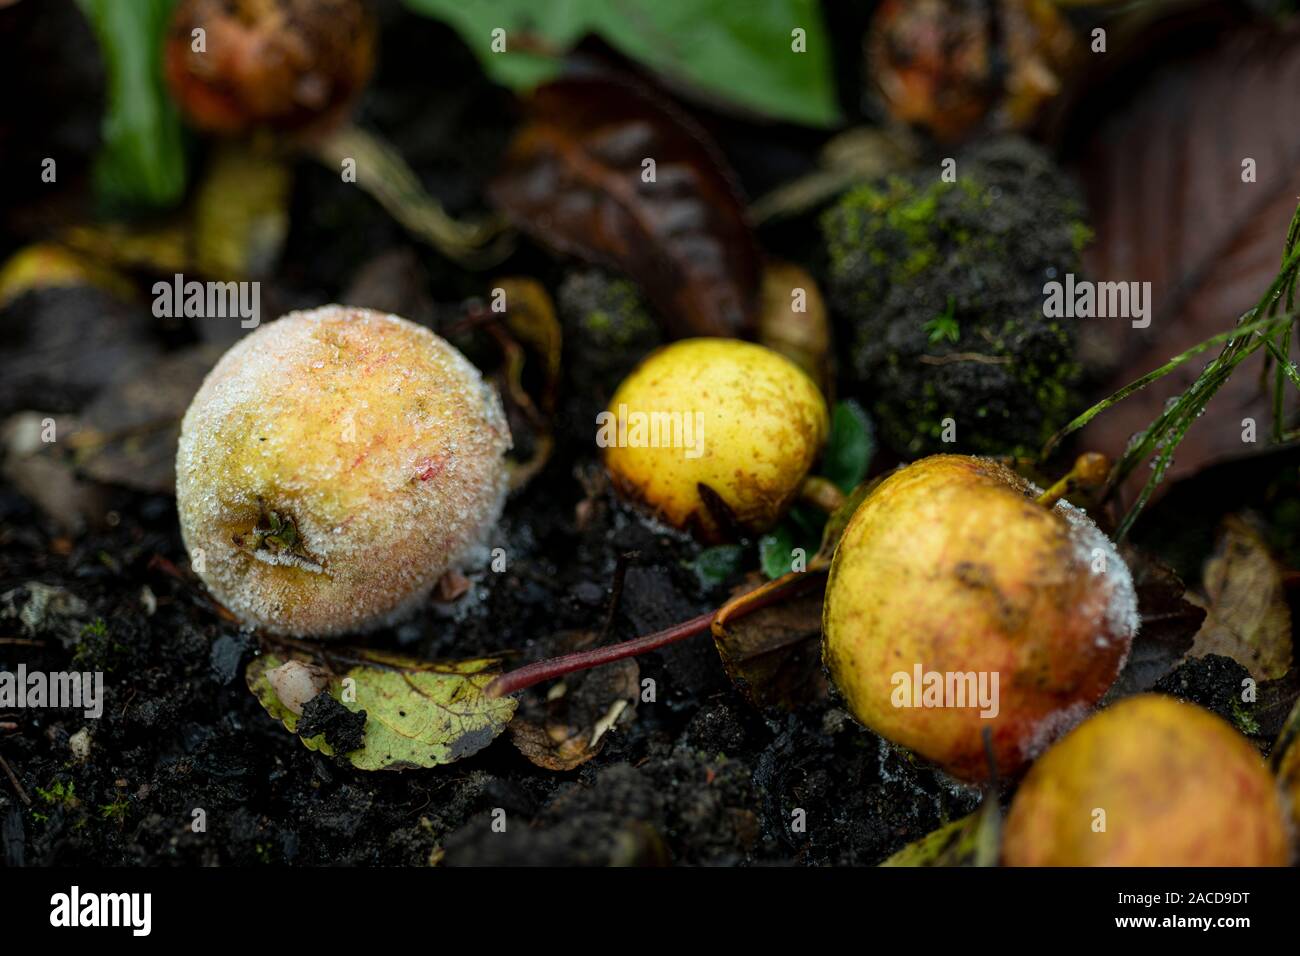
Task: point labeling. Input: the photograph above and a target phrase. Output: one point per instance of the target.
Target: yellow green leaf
(418, 713)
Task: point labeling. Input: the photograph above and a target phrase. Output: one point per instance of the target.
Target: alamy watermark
(959, 689)
(75, 690)
(133, 911)
(628, 429)
(1082, 299)
(208, 300)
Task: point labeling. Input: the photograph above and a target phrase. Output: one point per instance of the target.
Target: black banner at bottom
(304, 906)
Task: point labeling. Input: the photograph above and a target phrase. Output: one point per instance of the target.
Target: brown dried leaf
(568, 727)
(530, 327)
(1168, 624)
(573, 178)
(130, 431)
(773, 655)
(1247, 616)
(1164, 181)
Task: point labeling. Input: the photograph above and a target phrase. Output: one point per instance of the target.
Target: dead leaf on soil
(1168, 624)
(418, 713)
(773, 655)
(1164, 182)
(575, 178)
(530, 328)
(569, 725)
(1247, 616)
(128, 434)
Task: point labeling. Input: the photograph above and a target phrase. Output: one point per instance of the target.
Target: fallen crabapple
(1288, 775)
(1149, 781)
(715, 436)
(290, 65)
(957, 602)
(333, 465)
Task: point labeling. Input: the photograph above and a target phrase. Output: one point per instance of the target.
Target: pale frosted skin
(764, 425)
(950, 563)
(1178, 785)
(381, 442)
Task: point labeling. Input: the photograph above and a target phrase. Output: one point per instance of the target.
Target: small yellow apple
(957, 604)
(332, 466)
(1149, 781)
(714, 435)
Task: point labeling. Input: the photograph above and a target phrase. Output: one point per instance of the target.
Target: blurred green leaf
(851, 445)
(141, 164)
(774, 550)
(738, 52)
(713, 566)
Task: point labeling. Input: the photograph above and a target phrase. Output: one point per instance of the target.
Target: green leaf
(741, 53)
(713, 566)
(141, 164)
(774, 550)
(418, 713)
(851, 445)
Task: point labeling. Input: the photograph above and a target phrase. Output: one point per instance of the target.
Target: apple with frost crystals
(332, 466)
(957, 603)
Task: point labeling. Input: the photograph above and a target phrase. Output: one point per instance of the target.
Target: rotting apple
(1007, 615)
(333, 465)
(715, 436)
(235, 66)
(1149, 781)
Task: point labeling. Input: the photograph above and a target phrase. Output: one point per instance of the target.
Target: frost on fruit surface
(333, 465)
(418, 713)
(1121, 620)
(951, 565)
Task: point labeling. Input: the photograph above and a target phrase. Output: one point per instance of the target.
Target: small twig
(616, 591)
(13, 778)
(822, 494)
(25, 641)
(978, 358)
(763, 596)
(530, 674)
(386, 177)
(1089, 472)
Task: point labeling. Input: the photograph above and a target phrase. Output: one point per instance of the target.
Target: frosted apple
(332, 466)
(958, 604)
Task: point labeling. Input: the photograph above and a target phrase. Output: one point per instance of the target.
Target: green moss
(608, 328)
(1081, 236)
(115, 811)
(1242, 717)
(59, 794)
(940, 287)
(97, 650)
